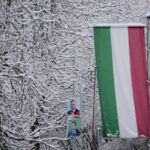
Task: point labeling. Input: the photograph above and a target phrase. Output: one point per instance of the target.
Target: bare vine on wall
(38, 40)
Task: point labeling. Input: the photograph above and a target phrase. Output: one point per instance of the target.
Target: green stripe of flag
(106, 81)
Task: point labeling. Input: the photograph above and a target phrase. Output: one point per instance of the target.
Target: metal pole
(73, 143)
(99, 136)
(73, 138)
(148, 46)
(73, 76)
(93, 124)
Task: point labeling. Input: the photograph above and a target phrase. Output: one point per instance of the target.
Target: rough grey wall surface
(38, 41)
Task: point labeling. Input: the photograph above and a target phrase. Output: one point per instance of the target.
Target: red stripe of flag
(139, 79)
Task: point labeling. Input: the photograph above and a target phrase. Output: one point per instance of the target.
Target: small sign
(74, 127)
(74, 107)
(73, 113)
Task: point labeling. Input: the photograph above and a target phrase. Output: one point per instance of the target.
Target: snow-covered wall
(39, 41)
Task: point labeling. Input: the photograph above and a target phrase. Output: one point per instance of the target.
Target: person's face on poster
(73, 125)
(73, 105)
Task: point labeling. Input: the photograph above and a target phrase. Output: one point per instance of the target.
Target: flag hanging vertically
(122, 80)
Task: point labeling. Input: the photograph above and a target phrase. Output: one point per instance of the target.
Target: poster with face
(74, 107)
(73, 127)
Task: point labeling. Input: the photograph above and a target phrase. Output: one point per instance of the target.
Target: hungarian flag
(122, 80)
